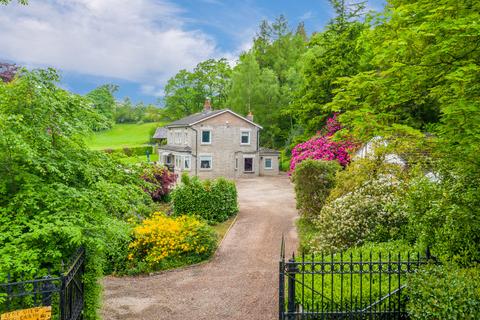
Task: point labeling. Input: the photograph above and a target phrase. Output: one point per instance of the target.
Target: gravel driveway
(240, 282)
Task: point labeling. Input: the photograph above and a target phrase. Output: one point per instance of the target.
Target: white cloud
(144, 41)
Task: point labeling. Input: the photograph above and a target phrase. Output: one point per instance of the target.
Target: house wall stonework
(226, 147)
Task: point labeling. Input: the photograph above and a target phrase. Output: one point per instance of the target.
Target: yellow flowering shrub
(162, 242)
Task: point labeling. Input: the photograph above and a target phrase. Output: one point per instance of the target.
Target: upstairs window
(206, 137)
(186, 137)
(245, 137)
(178, 137)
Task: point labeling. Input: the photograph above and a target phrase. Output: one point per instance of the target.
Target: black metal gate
(338, 286)
(64, 293)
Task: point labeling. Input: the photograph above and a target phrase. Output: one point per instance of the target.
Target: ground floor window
(248, 164)
(205, 162)
(186, 162)
(268, 163)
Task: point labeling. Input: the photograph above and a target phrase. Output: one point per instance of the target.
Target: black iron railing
(339, 286)
(63, 292)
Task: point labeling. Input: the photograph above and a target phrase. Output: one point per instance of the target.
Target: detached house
(215, 143)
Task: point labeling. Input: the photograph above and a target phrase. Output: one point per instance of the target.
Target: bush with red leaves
(161, 181)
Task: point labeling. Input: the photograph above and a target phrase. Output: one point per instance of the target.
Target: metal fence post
(291, 271)
(281, 291)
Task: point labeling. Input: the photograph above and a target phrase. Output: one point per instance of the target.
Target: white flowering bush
(371, 212)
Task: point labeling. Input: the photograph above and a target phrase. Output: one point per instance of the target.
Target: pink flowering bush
(322, 147)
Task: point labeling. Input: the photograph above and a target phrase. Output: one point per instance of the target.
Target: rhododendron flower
(322, 147)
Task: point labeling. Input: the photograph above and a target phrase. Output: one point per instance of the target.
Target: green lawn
(122, 135)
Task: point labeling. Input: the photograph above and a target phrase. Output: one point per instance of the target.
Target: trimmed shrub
(212, 200)
(313, 181)
(161, 181)
(131, 151)
(370, 213)
(162, 242)
(444, 292)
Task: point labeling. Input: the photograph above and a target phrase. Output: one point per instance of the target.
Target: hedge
(444, 292)
(313, 181)
(212, 200)
(131, 151)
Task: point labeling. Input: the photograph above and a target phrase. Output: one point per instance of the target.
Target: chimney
(250, 116)
(207, 107)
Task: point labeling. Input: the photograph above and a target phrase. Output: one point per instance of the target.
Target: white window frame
(178, 162)
(187, 159)
(178, 137)
(185, 136)
(253, 164)
(210, 135)
(249, 137)
(265, 163)
(205, 157)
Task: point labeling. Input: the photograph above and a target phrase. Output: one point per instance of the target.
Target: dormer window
(206, 136)
(245, 137)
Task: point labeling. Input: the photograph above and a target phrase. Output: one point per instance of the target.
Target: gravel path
(240, 282)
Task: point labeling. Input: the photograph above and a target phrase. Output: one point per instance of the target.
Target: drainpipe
(196, 150)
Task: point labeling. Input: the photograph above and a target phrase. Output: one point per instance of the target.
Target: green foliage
(56, 194)
(162, 242)
(185, 93)
(131, 151)
(127, 112)
(369, 213)
(334, 53)
(313, 181)
(444, 292)
(444, 215)
(351, 286)
(211, 200)
(103, 102)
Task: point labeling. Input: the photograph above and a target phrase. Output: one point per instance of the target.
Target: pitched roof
(160, 133)
(204, 115)
(175, 148)
(263, 150)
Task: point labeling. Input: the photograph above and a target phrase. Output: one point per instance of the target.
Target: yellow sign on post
(39, 313)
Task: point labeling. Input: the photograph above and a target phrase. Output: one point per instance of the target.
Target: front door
(248, 164)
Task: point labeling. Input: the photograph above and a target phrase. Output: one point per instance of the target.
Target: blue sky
(140, 44)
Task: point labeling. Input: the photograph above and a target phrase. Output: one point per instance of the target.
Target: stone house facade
(217, 143)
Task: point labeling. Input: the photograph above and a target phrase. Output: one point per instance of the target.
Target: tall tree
(257, 91)
(185, 92)
(103, 101)
(337, 52)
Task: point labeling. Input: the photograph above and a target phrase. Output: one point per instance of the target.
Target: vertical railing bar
(341, 278)
(313, 279)
(380, 269)
(303, 282)
(332, 267)
(351, 279)
(371, 272)
(323, 280)
(399, 283)
(389, 279)
(361, 280)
